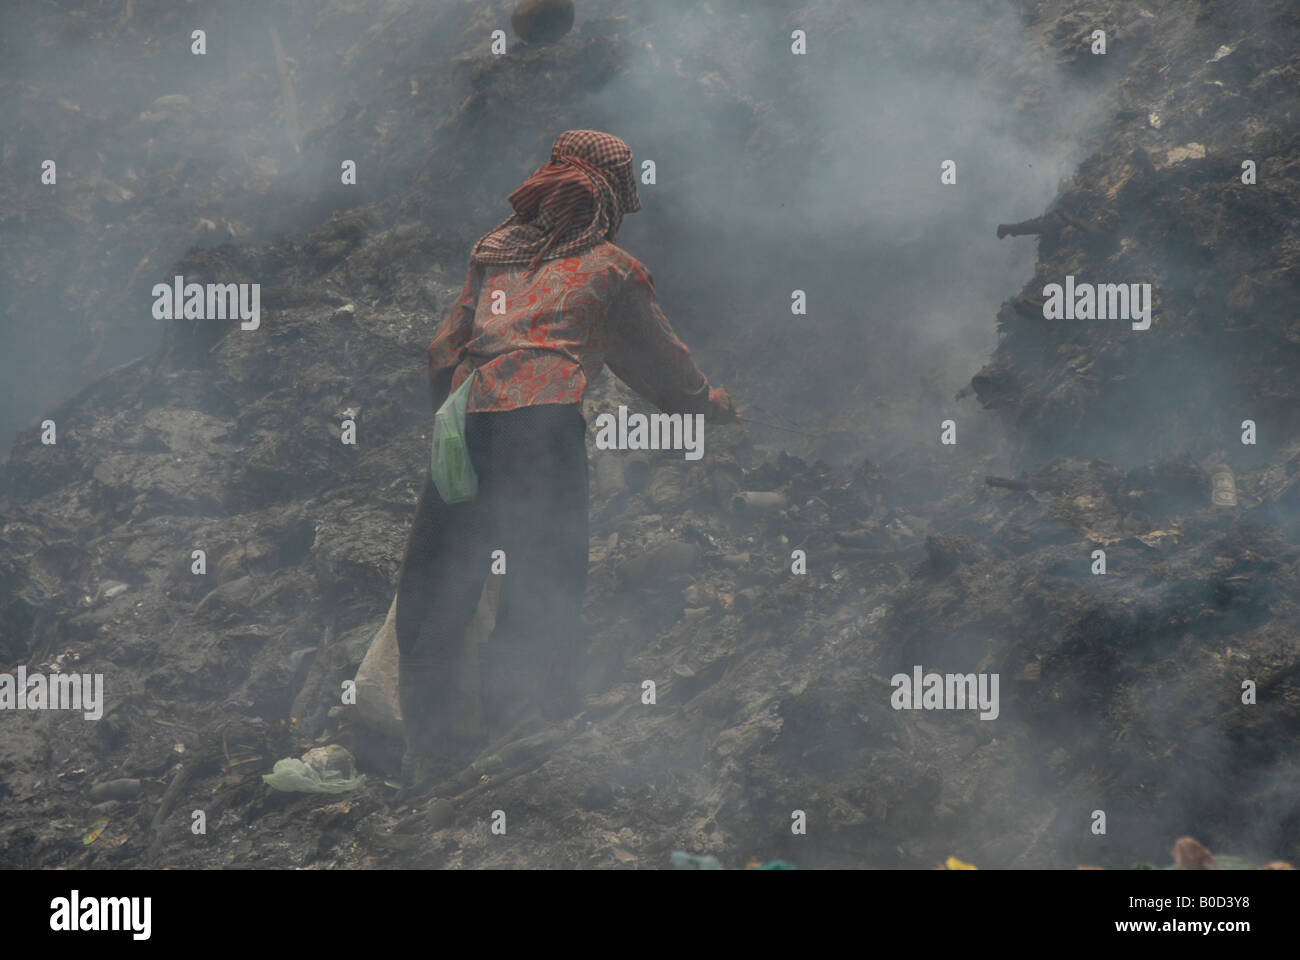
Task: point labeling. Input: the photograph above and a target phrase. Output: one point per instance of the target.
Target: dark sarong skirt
(532, 504)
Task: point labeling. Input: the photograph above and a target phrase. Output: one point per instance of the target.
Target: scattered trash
(321, 770)
(759, 501)
(1188, 151)
(952, 863)
(1224, 486)
(95, 829)
(686, 861)
(1190, 854)
(689, 861)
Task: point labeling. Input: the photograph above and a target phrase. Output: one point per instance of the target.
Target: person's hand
(720, 409)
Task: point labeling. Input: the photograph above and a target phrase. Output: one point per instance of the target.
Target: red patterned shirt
(553, 331)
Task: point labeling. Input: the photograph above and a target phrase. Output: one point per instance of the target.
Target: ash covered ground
(1120, 692)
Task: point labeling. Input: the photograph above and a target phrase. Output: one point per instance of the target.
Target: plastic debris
(95, 829)
(321, 770)
(453, 473)
(1224, 486)
(686, 861)
(760, 501)
(952, 863)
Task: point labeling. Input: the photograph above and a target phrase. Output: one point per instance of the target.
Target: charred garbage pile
(127, 140)
(1172, 447)
(770, 592)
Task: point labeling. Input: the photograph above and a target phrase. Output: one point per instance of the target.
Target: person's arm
(643, 351)
(448, 347)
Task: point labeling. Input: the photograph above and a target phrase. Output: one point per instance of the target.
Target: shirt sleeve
(644, 352)
(448, 347)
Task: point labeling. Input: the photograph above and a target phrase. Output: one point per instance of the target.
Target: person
(548, 301)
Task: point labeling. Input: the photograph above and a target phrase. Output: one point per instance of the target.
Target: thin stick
(794, 421)
(777, 426)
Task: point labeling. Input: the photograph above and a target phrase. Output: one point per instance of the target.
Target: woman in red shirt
(548, 300)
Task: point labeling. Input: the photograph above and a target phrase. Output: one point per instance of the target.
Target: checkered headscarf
(569, 204)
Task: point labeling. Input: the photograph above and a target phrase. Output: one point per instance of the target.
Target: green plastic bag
(453, 474)
(321, 770)
(293, 775)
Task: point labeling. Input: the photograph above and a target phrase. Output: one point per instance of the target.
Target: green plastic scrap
(686, 861)
(330, 772)
(776, 865)
(453, 473)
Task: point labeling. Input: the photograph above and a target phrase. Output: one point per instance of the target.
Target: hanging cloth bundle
(453, 473)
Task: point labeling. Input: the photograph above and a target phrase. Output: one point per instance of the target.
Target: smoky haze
(157, 150)
(773, 173)
(821, 173)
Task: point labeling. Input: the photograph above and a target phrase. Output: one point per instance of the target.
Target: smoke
(774, 173)
(778, 172)
(157, 149)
